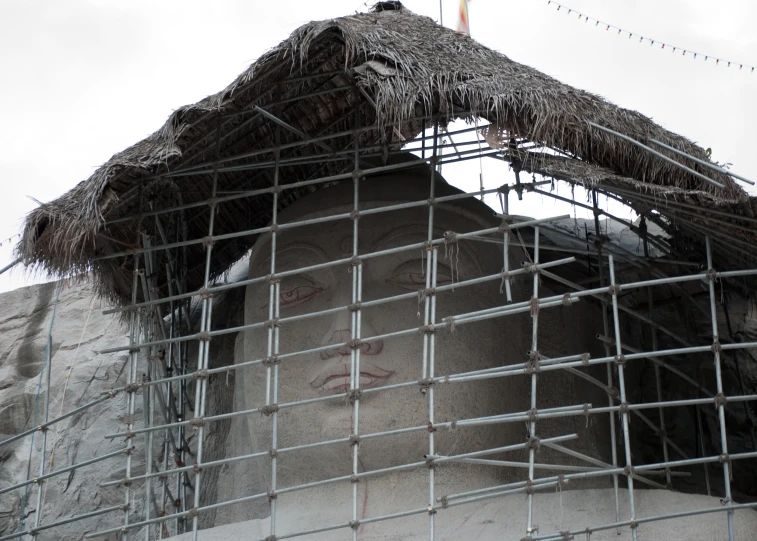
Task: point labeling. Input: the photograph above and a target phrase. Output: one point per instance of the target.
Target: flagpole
(467, 16)
(441, 16)
(463, 25)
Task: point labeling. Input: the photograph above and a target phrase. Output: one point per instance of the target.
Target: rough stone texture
(79, 375)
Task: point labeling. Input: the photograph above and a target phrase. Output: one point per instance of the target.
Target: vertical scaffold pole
(720, 398)
(163, 528)
(431, 403)
(606, 327)
(148, 396)
(624, 412)
(506, 240)
(533, 367)
(182, 479)
(135, 324)
(272, 366)
(206, 318)
(173, 355)
(356, 324)
(428, 337)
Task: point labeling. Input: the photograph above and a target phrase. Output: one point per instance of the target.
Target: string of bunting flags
(643, 39)
(9, 239)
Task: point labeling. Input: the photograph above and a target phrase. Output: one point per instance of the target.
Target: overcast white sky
(83, 79)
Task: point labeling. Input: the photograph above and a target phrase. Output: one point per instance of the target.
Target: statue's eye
(298, 295)
(412, 276)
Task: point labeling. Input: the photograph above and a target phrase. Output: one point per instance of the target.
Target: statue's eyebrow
(290, 250)
(444, 266)
(419, 229)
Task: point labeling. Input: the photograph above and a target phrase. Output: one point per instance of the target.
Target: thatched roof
(389, 67)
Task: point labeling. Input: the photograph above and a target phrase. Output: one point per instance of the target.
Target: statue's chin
(499, 518)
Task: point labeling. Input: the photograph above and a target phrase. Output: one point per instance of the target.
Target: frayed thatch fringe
(388, 67)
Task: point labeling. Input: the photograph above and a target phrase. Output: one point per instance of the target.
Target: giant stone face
(387, 362)
(481, 345)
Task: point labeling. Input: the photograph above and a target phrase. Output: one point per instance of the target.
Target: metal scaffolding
(166, 499)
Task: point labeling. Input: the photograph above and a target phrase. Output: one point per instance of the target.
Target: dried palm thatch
(388, 69)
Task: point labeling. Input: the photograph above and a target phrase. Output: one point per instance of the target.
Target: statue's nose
(340, 334)
(340, 338)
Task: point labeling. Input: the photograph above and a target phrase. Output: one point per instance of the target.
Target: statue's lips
(335, 378)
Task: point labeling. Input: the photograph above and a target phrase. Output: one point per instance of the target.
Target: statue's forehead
(377, 233)
(318, 247)
(372, 192)
(318, 244)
